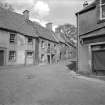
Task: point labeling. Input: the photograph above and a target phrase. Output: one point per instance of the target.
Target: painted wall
(90, 20)
(21, 47)
(87, 21)
(84, 58)
(4, 36)
(4, 44)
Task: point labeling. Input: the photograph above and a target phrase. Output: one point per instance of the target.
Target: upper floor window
(102, 9)
(42, 44)
(30, 40)
(48, 46)
(54, 45)
(12, 37)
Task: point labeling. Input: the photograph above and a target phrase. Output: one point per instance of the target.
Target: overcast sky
(55, 11)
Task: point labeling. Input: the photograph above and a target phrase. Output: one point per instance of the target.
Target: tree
(68, 31)
(6, 6)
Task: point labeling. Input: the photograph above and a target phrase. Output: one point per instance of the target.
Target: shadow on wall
(72, 66)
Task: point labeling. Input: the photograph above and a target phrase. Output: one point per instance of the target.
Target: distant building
(47, 44)
(91, 37)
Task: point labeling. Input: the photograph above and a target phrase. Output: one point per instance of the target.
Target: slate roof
(44, 33)
(15, 22)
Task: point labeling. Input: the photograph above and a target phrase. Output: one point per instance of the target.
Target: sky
(58, 12)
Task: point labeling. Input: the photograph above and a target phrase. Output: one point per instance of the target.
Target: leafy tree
(68, 31)
(6, 6)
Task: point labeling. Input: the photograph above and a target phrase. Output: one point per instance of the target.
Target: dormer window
(102, 9)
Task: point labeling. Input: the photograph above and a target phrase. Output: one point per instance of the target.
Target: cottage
(47, 50)
(91, 37)
(17, 38)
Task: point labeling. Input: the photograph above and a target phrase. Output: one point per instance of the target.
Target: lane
(48, 85)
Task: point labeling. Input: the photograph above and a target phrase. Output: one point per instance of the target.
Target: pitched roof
(15, 22)
(44, 33)
(58, 36)
(90, 6)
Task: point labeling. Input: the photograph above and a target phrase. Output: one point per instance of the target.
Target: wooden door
(1, 57)
(98, 60)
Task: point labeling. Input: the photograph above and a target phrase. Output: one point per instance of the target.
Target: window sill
(101, 20)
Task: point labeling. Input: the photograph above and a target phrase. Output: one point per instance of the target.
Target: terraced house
(25, 42)
(91, 37)
(48, 44)
(17, 38)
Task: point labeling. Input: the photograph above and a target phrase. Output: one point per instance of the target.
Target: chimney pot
(49, 26)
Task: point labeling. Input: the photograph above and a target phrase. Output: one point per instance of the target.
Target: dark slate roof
(44, 33)
(15, 22)
(90, 6)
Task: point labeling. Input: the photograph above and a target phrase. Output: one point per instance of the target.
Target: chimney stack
(49, 26)
(26, 14)
(85, 4)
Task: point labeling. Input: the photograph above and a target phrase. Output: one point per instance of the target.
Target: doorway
(1, 57)
(48, 57)
(98, 61)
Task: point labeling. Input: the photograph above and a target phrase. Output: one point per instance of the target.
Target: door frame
(91, 54)
(4, 50)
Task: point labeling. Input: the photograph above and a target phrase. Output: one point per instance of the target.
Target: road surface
(48, 85)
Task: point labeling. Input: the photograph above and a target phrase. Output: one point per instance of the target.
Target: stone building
(91, 37)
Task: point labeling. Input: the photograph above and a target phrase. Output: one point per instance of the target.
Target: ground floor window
(42, 57)
(30, 54)
(12, 56)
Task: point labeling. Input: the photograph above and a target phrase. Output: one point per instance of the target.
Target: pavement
(49, 85)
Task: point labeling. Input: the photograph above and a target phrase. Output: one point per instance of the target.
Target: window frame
(12, 57)
(32, 54)
(28, 40)
(12, 39)
(42, 44)
(101, 4)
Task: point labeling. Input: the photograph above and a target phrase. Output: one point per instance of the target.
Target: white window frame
(102, 18)
(12, 58)
(12, 40)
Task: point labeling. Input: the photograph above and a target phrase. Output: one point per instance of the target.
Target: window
(42, 57)
(30, 40)
(54, 45)
(12, 55)
(12, 37)
(30, 53)
(48, 46)
(42, 44)
(102, 9)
